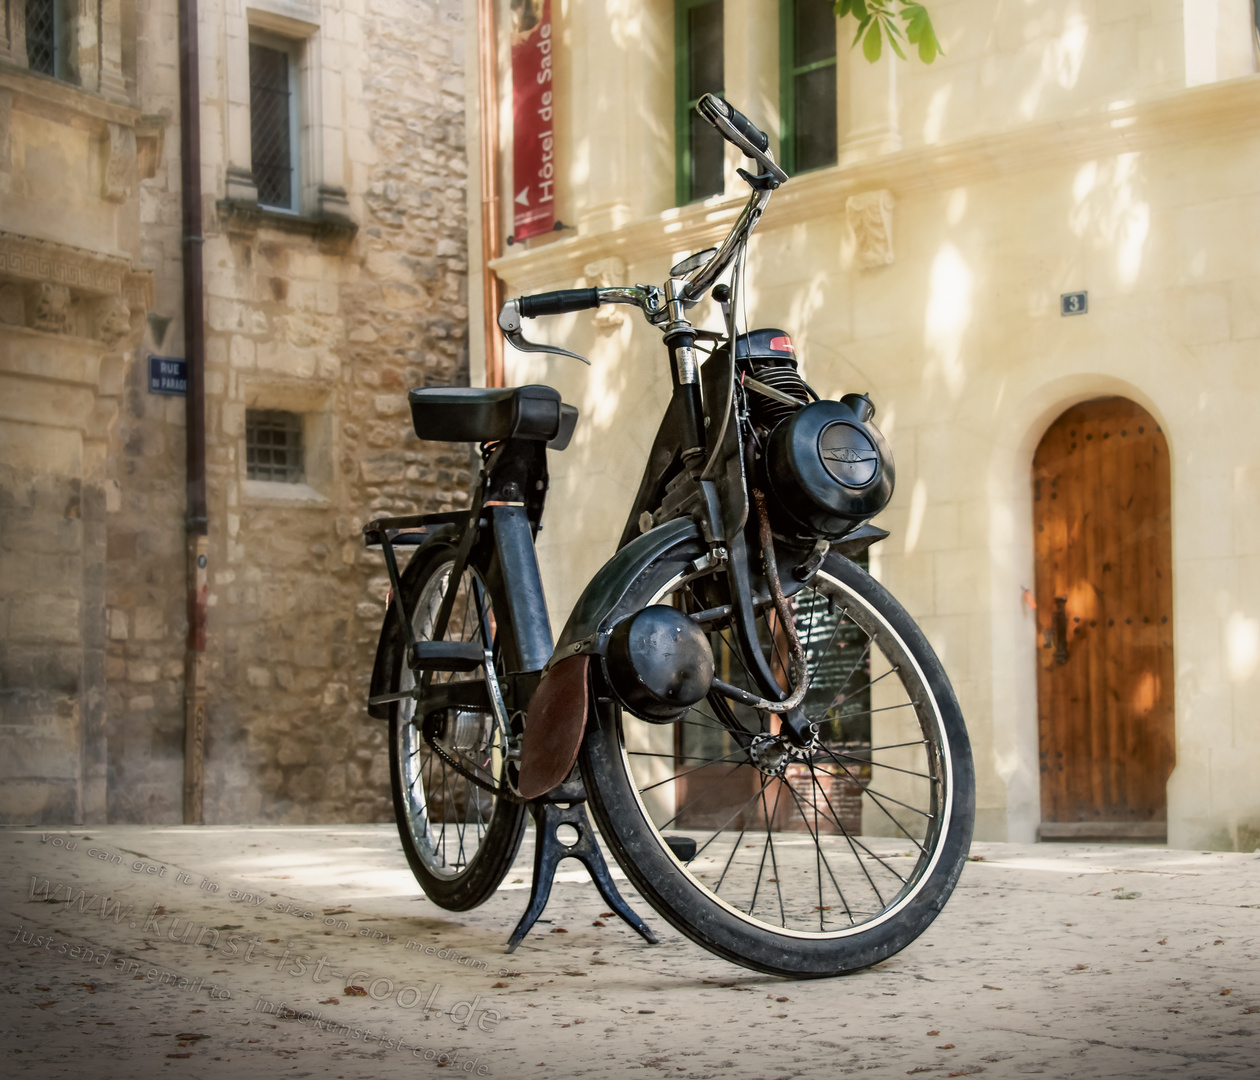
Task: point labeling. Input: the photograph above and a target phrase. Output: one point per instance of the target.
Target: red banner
(533, 135)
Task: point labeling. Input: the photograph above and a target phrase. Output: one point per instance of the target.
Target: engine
(824, 466)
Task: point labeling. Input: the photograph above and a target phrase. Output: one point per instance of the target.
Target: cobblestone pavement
(225, 952)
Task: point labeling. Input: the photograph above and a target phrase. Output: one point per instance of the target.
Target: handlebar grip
(558, 302)
(749, 130)
(711, 107)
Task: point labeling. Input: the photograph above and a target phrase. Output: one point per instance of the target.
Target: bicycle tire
(435, 806)
(640, 807)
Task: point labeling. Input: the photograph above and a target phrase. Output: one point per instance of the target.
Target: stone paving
(226, 952)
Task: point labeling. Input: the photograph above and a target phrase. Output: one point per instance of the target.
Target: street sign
(168, 375)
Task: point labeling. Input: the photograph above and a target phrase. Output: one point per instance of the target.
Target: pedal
(449, 655)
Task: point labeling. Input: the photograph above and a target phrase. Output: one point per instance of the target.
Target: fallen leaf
(933, 1032)
(1227, 990)
(599, 922)
(498, 986)
(781, 999)
(331, 1001)
(559, 930)
(1162, 941)
(607, 914)
(354, 991)
(986, 986)
(946, 1046)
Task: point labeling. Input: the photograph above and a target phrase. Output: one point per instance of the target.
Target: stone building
(334, 260)
(1059, 214)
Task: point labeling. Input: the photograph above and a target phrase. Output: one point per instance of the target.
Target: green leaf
(861, 30)
(893, 34)
(872, 44)
(919, 30)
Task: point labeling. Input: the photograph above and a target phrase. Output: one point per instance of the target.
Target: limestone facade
(328, 312)
(73, 297)
(1062, 146)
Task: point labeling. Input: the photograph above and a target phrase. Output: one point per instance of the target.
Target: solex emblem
(848, 454)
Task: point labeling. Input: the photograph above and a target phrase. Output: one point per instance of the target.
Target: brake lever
(510, 326)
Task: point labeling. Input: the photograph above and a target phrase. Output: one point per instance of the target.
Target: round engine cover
(659, 663)
(827, 469)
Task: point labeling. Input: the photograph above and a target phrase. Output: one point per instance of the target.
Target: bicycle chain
(503, 791)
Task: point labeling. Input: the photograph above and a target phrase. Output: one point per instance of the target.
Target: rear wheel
(801, 863)
(460, 838)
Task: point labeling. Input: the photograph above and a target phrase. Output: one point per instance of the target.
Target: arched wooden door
(1103, 545)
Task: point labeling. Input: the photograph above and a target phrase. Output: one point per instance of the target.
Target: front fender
(616, 576)
(557, 715)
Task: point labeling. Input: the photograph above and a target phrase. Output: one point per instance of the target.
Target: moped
(765, 738)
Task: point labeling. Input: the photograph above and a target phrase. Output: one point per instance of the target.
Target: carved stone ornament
(870, 219)
(58, 289)
(120, 163)
(113, 320)
(600, 275)
(50, 309)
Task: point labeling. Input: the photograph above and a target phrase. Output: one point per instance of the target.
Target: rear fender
(390, 645)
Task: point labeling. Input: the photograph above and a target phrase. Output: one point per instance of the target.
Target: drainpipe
(194, 353)
(488, 112)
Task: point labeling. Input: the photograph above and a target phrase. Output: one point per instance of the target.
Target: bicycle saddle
(474, 414)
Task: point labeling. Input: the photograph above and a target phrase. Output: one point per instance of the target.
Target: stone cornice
(28, 258)
(43, 91)
(1221, 110)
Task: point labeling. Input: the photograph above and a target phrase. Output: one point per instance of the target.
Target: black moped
(767, 741)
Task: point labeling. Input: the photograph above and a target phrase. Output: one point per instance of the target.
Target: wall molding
(1202, 114)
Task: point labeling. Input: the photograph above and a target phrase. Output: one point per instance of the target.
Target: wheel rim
(835, 840)
(446, 814)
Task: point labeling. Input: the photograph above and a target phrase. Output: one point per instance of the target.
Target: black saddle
(473, 414)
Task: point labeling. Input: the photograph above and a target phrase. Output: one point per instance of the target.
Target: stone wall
(336, 330)
(72, 306)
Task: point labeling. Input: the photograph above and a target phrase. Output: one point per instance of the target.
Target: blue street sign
(168, 375)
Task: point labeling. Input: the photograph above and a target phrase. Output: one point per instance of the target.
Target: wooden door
(1103, 546)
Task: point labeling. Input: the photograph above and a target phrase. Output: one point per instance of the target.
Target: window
(273, 446)
(807, 87)
(273, 118)
(50, 38)
(698, 70)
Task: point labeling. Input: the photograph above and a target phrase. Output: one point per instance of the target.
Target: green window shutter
(698, 69)
(807, 84)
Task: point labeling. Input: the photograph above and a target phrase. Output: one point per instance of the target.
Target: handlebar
(665, 307)
(559, 302)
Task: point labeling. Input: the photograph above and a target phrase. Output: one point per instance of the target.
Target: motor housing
(827, 468)
(659, 663)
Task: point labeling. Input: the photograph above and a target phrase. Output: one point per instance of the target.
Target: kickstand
(549, 850)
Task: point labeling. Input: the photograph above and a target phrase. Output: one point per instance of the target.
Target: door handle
(1060, 630)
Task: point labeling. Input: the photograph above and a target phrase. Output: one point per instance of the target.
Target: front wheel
(800, 863)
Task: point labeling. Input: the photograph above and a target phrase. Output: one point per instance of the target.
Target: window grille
(41, 36)
(271, 124)
(699, 69)
(807, 84)
(273, 446)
